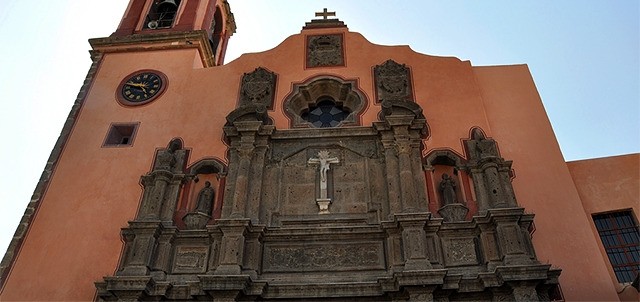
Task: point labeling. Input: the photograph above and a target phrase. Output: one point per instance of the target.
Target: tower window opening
(120, 135)
(325, 114)
(162, 14)
(216, 29)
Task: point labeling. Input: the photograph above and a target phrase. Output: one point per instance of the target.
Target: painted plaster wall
(75, 237)
(609, 184)
(542, 183)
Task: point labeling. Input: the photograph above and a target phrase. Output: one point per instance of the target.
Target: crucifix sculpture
(324, 14)
(324, 161)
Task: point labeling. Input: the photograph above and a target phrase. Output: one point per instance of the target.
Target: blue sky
(584, 57)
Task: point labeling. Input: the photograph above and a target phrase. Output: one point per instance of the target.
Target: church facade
(327, 168)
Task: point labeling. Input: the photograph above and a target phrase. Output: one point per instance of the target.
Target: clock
(141, 87)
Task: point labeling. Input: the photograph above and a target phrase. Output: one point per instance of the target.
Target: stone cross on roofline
(324, 14)
(324, 22)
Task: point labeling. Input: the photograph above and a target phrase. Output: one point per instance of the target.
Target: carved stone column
(391, 165)
(257, 171)
(172, 193)
(490, 174)
(162, 185)
(243, 136)
(155, 185)
(407, 184)
(239, 201)
(400, 135)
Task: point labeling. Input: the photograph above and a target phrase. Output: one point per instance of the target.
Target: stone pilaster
(232, 246)
(257, 172)
(414, 240)
(140, 242)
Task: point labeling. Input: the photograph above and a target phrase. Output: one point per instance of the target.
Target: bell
(167, 6)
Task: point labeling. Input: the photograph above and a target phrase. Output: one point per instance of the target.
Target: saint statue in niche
(205, 199)
(448, 190)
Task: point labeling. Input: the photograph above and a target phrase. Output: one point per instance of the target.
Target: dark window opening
(120, 135)
(621, 239)
(325, 114)
(216, 30)
(162, 14)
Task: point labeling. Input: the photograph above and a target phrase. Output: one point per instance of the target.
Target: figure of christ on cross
(324, 161)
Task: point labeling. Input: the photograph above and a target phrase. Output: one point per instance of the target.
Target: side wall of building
(606, 185)
(542, 182)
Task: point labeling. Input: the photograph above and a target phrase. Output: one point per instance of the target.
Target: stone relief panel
(258, 88)
(460, 251)
(190, 259)
(325, 50)
(354, 170)
(323, 256)
(393, 82)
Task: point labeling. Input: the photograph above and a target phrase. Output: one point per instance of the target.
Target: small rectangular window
(621, 239)
(120, 135)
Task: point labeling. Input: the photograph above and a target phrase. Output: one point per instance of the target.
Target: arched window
(162, 14)
(325, 102)
(325, 114)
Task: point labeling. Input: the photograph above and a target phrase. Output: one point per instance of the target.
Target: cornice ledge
(157, 41)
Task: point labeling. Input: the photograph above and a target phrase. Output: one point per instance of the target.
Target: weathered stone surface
(393, 82)
(325, 50)
(324, 256)
(191, 259)
(258, 88)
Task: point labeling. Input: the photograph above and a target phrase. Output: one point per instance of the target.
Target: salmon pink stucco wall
(542, 183)
(605, 185)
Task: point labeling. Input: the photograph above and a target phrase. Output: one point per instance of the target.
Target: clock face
(141, 87)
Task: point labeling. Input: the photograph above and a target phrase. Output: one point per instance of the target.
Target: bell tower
(162, 20)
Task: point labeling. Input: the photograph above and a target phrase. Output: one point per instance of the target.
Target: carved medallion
(393, 82)
(258, 88)
(325, 50)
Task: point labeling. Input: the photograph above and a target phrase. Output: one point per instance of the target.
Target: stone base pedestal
(323, 205)
(455, 212)
(196, 220)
